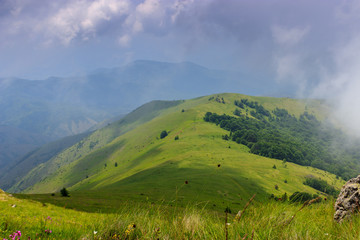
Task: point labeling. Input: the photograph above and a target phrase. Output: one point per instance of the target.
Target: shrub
(321, 185)
(64, 192)
(300, 197)
(163, 134)
(176, 137)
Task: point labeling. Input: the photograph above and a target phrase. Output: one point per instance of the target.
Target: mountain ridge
(137, 163)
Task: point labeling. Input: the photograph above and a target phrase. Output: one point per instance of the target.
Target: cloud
(310, 45)
(290, 36)
(124, 40)
(82, 18)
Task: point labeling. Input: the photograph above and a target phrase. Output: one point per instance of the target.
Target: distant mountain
(16, 170)
(58, 107)
(15, 142)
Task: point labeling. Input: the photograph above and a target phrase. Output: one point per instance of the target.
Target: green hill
(128, 159)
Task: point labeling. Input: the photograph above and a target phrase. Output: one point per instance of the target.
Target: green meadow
(260, 220)
(126, 182)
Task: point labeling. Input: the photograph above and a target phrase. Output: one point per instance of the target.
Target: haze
(306, 47)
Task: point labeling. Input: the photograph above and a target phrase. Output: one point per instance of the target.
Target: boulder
(348, 200)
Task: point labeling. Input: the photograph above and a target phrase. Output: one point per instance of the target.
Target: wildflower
(48, 231)
(130, 229)
(16, 235)
(95, 232)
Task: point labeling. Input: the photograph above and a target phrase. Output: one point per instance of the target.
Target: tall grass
(269, 220)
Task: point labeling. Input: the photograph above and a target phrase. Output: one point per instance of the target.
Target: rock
(348, 200)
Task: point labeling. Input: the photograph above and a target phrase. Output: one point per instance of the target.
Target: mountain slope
(199, 166)
(89, 144)
(19, 168)
(57, 107)
(15, 142)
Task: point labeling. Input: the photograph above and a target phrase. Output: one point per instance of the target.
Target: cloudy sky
(313, 45)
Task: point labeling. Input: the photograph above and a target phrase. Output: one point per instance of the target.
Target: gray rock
(348, 200)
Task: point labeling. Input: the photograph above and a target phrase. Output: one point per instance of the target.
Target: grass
(154, 169)
(266, 220)
(173, 189)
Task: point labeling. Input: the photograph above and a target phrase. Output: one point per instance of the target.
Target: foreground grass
(270, 220)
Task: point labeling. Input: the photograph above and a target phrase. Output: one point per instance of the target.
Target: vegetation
(64, 192)
(163, 134)
(282, 136)
(180, 189)
(321, 185)
(301, 197)
(259, 220)
(144, 161)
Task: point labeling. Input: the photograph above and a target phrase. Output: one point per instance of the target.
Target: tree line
(304, 140)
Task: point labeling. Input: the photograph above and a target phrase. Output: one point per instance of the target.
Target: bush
(300, 197)
(176, 137)
(321, 185)
(64, 192)
(163, 134)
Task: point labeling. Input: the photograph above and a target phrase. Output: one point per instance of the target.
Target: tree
(237, 112)
(163, 134)
(64, 192)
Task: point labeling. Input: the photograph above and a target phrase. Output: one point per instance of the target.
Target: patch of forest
(277, 134)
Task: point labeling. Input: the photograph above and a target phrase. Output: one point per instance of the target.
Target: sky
(312, 45)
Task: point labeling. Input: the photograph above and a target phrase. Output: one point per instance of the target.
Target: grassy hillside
(270, 220)
(87, 145)
(198, 167)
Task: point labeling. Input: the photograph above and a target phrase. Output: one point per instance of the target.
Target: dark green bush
(64, 192)
(163, 134)
(300, 197)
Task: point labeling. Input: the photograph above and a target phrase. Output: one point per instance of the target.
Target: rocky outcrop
(348, 200)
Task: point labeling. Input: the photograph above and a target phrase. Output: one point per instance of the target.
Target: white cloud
(149, 8)
(81, 18)
(288, 36)
(124, 40)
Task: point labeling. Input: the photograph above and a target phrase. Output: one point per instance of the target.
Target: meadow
(139, 185)
(148, 220)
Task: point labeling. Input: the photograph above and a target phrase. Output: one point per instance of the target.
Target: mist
(301, 49)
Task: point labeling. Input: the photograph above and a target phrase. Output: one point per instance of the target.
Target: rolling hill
(128, 160)
(57, 107)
